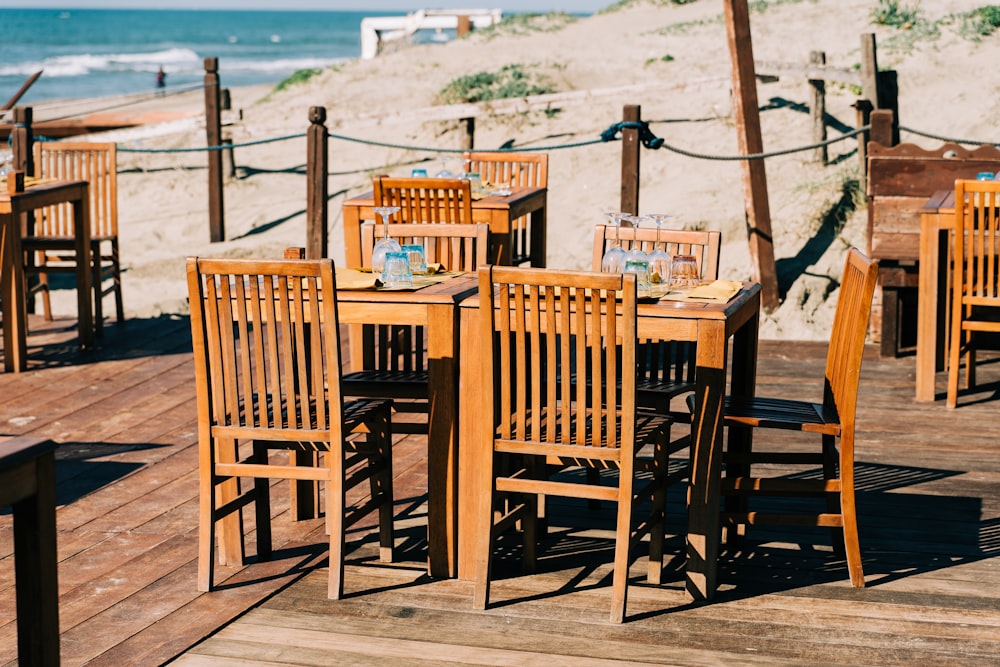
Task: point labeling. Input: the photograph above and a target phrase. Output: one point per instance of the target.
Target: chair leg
(262, 506)
(43, 287)
(954, 353)
(232, 550)
(117, 283)
(95, 278)
(381, 487)
(484, 536)
(206, 527)
(623, 540)
(852, 543)
(336, 502)
(657, 533)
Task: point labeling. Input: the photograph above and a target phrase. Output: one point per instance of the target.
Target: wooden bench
(901, 179)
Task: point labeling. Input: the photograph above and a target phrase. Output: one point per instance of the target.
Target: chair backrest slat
(266, 344)
(509, 168)
(847, 337)
(425, 200)
(94, 162)
(704, 245)
(457, 247)
(543, 331)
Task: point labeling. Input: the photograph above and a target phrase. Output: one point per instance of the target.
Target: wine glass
(385, 244)
(444, 173)
(636, 259)
(659, 258)
(613, 260)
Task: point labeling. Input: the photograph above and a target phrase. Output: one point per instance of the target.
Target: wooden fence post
(213, 139)
(632, 113)
(750, 141)
(817, 108)
(864, 109)
(469, 137)
(869, 68)
(317, 188)
(22, 139)
(882, 122)
(888, 99)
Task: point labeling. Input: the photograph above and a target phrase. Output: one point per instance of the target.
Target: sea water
(98, 53)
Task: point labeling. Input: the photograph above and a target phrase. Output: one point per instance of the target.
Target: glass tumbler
(640, 267)
(396, 272)
(415, 251)
(684, 272)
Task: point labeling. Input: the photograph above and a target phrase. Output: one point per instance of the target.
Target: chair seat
(387, 383)
(782, 413)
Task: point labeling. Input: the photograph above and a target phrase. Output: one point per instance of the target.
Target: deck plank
(124, 418)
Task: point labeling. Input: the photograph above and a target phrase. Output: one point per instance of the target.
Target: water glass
(640, 268)
(418, 263)
(684, 272)
(418, 173)
(397, 270)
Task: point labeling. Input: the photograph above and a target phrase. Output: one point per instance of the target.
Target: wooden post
(464, 25)
(881, 131)
(469, 137)
(213, 138)
(817, 108)
(22, 140)
(317, 188)
(888, 99)
(864, 109)
(630, 160)
(869, 69)
(747, 113)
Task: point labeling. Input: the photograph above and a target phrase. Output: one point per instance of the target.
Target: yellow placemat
(719, 291)
(365, 279)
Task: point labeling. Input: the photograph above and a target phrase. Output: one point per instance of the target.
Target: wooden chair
(267, 369)
(394, 357)
(51, 242)
(975, 279)
(539, 326)
(665, 369)
(832, 419)
(519, 170)
(425, 200)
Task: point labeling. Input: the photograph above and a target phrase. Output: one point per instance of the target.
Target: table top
(17, 450)
(453, 290)
(516, 195)
(40, 193)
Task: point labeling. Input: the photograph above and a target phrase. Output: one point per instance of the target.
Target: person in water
(161, 80)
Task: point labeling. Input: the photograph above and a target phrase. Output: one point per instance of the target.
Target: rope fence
(648, 139)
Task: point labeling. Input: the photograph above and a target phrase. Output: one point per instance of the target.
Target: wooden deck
(124, 417)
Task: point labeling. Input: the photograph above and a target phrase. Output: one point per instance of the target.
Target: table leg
(538, 234)
(36, 571)
(84, 296)
(15, 314)
(442, 441)
(472, 450)
(929, 304)
(706, 464)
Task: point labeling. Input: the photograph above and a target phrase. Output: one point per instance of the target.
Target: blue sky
(362, 5)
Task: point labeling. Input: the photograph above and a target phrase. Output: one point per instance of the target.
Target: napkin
(719, 290)
(357, 279)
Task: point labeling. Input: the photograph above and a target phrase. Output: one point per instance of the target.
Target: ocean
(98, 53)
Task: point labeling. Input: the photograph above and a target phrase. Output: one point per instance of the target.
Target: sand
(946, 82)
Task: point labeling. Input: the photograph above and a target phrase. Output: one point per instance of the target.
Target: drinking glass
(659, 259)
(418, 172)
(385, 244)
(684, 272)
(640, 267)
(396, 272)
(418, 263)
(613, 260)
(444, 173)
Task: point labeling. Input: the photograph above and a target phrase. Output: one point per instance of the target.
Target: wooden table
(712, 326)
(937, 220)
(15, 317)
(28, 485)
(499, 212)
(436, 308)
